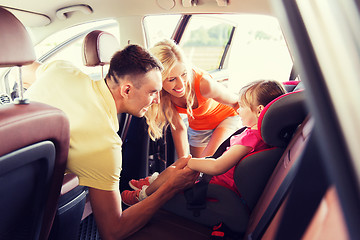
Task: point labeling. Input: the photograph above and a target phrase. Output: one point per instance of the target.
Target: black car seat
(34, 148)
(277, 123)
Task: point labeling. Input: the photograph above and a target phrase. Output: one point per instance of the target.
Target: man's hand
(181, 176)
(181, 162)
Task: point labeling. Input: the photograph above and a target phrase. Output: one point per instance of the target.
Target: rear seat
(34, 147)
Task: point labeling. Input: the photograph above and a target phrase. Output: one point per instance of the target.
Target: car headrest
(281, 117)
(98, 48)
(16, 47)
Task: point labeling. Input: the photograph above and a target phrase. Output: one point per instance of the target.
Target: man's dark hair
(132, 60)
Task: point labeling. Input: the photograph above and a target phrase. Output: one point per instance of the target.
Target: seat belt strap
(196, 195)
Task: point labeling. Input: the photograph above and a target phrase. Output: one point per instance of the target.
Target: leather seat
(34, 148)
(98, 48)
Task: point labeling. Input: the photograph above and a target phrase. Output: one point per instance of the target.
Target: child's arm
(222, 164)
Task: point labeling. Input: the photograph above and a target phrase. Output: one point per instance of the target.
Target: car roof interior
(61, 14)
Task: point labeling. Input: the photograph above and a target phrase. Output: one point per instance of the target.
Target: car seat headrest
(98, 48)
(16, 47)
(281, 117)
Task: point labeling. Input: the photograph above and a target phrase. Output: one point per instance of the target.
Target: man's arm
(115, 224)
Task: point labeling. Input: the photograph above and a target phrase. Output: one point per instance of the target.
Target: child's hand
(181, 162)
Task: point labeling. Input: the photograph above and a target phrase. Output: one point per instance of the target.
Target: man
(132, 85)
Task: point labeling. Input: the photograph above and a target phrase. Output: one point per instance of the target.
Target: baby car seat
(210, 204)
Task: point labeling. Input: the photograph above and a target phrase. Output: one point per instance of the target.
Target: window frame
(179, 32)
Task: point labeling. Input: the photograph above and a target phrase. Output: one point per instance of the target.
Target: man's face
(140, 99)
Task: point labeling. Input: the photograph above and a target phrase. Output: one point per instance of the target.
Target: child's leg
(132, 197)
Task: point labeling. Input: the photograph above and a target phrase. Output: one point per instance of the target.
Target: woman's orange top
(209, 113)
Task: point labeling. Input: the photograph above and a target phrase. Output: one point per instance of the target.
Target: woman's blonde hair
(159, 116)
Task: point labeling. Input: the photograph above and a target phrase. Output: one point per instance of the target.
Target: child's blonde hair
(159, 116)
(260, 92)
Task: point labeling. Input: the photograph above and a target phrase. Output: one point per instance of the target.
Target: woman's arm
(179, 135)
(212, 89)
(222, 164)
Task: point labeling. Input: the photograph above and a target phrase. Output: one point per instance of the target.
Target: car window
(159, 27)
(204, 41)
(259, 51)
(234, 48)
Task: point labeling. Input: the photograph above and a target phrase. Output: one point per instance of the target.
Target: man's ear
(125, 90)
(259, 110)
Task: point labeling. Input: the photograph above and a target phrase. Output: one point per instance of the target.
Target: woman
(209, 106)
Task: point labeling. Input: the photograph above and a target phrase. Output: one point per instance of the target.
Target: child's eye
(172, 79)
(184, 74)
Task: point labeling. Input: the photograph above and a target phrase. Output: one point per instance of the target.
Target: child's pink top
(250, 138)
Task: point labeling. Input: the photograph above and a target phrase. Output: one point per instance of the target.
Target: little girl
(253, 98)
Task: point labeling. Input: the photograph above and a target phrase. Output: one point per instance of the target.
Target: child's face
(248, 117)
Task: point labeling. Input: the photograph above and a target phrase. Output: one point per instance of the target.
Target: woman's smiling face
(175, 83)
